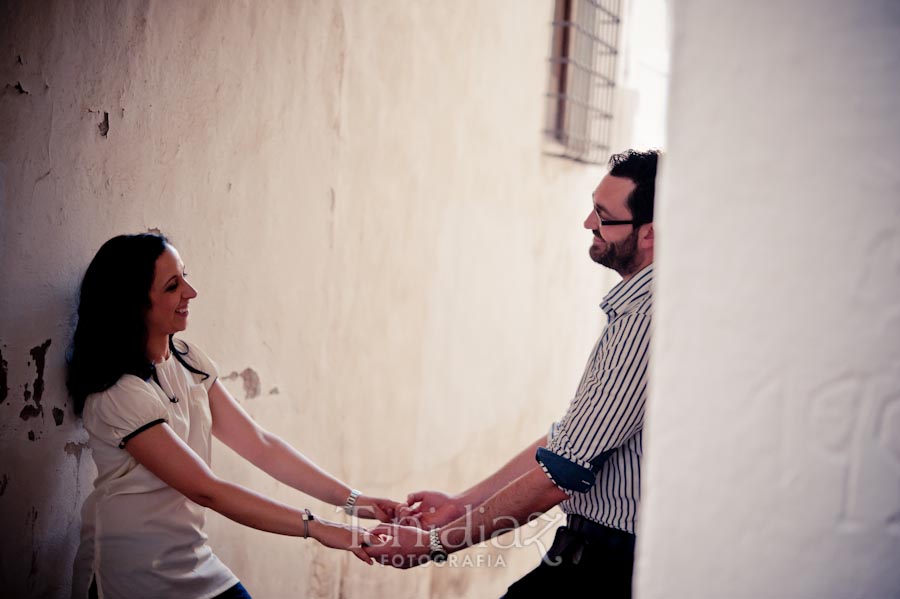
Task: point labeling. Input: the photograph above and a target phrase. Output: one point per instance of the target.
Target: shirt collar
(626, 292)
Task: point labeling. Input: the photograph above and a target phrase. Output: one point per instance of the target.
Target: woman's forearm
(250, 508)
(287, 465)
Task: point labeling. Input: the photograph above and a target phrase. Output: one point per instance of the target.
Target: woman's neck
(158, 349)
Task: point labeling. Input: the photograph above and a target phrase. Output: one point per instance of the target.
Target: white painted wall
(359, 193)
(644, 78)
(772, 455)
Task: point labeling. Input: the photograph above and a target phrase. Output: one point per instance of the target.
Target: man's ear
(645, 237)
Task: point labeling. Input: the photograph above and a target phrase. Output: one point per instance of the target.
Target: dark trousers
(586, 559)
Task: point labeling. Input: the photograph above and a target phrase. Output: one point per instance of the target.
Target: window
(582, 79)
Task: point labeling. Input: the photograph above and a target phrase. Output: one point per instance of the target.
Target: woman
(150, 403)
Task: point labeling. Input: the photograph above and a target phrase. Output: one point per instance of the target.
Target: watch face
(438, 556)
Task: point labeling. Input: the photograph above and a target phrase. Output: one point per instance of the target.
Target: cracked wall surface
(391, 271)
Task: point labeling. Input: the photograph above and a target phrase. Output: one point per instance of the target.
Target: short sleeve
(198, 359)
(122, 411)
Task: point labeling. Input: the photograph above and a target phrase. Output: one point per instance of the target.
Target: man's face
(614, 246)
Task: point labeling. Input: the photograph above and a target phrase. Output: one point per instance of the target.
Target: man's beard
(621, 256)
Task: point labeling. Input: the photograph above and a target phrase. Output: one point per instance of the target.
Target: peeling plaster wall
(392, 276)
(773, 433)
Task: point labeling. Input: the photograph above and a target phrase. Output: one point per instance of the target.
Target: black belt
(599, 534)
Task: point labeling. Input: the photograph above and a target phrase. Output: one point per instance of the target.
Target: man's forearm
(523, 462)
(530, 494)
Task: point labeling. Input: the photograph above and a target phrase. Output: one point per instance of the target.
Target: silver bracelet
(351, 501)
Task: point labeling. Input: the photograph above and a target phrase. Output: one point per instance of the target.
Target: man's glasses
(611, 223)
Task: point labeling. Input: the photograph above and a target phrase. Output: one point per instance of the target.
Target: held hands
(400, 546)
(430, 509)
(354, 539)
(376, 508)
(405, 543)
(402, 541)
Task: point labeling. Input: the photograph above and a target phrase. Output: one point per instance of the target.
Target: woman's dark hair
(640, 167)
(111, 334)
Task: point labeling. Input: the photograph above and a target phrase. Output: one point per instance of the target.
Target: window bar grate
(582, 78)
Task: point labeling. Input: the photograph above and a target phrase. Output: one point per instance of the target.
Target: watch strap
(306, 516)
(351, 501)
(437, 552)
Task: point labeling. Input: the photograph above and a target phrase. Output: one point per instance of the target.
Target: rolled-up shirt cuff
(551, 433)
(568, 475)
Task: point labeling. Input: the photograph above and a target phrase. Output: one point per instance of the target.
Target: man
(590, 460)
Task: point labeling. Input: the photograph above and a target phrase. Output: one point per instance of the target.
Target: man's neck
(647, 261)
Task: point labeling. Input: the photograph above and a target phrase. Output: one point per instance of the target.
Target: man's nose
(592, 222)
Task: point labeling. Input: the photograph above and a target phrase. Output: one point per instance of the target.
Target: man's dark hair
(640, 167)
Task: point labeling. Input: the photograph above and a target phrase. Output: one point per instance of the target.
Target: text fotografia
(467, 560)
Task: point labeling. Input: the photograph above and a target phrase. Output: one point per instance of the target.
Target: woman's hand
(376, 508)
(342, 536)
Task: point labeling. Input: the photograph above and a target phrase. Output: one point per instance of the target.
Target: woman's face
(169, 295)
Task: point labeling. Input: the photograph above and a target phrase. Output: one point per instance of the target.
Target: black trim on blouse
(129, 436)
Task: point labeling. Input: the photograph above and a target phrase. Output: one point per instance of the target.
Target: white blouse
(140, 537)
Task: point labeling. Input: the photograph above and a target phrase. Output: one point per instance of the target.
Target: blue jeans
(236, 592)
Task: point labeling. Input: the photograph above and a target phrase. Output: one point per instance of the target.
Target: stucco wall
(772, 456)
(392, 276)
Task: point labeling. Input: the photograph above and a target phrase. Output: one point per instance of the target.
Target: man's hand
(406, 547)
(376, 508)
(431, 509)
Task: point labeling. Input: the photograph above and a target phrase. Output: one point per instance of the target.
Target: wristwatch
(437, 553)
(351, 502)
(307, 517)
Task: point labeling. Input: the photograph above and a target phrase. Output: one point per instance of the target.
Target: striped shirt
(599, 438)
